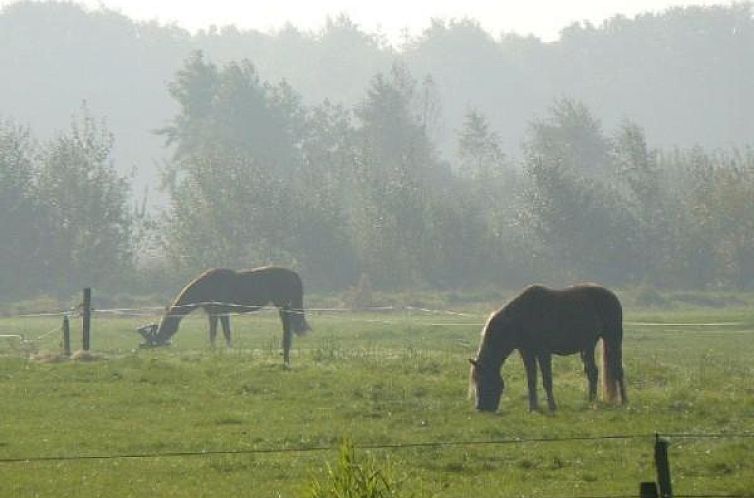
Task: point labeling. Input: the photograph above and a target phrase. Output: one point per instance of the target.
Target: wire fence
(381, 446)
(397, 314)
(204, 453)
(243, 309)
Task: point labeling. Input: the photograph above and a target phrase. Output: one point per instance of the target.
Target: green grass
(376, 380)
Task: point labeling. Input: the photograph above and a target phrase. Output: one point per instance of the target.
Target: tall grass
(354, 477)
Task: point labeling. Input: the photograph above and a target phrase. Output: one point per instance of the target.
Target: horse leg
(590, 369)
(621, 384)
(225, 322)
(212, 329)
(530, 364)
(545, 364)
(287, 335)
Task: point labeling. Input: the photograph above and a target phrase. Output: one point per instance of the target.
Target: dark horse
(540, 322)
(221, 292)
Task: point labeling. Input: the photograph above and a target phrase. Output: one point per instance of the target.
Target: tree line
(685, 73)
(343, 193)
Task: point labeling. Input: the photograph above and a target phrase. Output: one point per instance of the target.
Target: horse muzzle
(151, 339)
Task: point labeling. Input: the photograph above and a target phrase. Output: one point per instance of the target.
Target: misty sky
(543, 18)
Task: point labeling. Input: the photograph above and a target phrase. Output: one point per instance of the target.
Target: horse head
(487, 385)
(151, 338)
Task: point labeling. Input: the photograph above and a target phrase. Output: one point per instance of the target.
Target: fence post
(66, 336)
(648, 490)
(663, 467)
(87, 317)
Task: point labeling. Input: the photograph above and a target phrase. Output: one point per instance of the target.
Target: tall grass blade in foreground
(352, 478)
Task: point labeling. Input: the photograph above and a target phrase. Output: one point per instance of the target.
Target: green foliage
(365, 181)
(479, 150)
(395, 182)
(250, 179)
(721, 202)
(648, 67)
(572, 138)
(66, 220)
(87, 235)
(22, 219)
(355, 478)
(633, 214)
(575, 202)
(231, 146)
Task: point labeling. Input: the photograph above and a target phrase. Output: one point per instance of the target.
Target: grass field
(191, 422)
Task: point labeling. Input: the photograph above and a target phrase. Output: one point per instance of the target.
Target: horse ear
(473, 362)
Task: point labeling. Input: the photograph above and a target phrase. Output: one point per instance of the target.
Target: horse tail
(612, 357)
(608, 358)
(298, 320)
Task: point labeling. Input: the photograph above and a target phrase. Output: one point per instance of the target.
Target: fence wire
(384, 446)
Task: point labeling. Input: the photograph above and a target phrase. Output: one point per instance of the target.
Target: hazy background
(521, 139)
(684, 75)
(392, 19)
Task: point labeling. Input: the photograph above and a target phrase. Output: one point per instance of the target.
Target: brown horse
(541, 322)
(221, 292)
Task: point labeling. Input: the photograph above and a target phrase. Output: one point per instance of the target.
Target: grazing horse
(541, 322)
(221, 292)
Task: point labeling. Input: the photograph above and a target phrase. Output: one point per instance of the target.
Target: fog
(619, 152)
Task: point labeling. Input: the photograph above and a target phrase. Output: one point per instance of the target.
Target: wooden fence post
(663, 467)
(648, 490)
(66, 336)
(87, 317)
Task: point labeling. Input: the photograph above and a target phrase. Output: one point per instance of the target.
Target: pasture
(188, 421)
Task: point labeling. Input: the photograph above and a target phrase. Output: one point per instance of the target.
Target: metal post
(663, 467)
(87, 317)
(66, 336)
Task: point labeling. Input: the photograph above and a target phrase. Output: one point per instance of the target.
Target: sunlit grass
(379, 379)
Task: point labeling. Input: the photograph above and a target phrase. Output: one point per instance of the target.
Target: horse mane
(486, 337)
(179, 301)
(181, 305)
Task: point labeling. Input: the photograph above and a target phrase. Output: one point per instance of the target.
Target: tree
(719, 229)
(576, 204)
(639, 179)
(479, 151)
(491, 183)
(585, 226)
(572, 137)
(232, 110)
(234, 147)
(394, 170)
(22, 217)
(87, 239)
(256, 175)
(325, 183)
(193, 89)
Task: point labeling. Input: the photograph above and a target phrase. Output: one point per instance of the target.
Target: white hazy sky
(543, 18)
